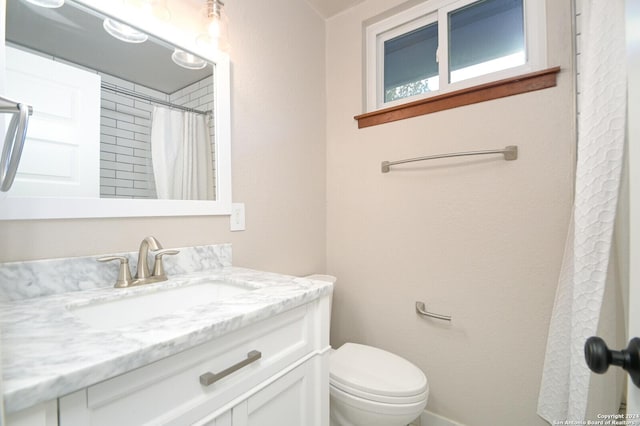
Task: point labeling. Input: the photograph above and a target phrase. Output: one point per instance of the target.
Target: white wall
(481, 240)
(278, 154)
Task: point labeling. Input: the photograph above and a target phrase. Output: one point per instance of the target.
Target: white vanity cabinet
(45, 414)
(287, 385)
(288, 401)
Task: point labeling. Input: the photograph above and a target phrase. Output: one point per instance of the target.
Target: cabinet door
(299, 397)
(288, 401)
(45, 414)
(224, 419)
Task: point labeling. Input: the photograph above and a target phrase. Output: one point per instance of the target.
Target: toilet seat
(369, 396)
(376, 375)
(378, 406)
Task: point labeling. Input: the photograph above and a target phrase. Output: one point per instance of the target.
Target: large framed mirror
(136, 128)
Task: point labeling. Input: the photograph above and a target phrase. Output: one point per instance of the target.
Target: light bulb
(123, 32)
(188, 60)
(214, 27)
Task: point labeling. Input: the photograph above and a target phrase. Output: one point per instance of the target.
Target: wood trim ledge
(471, 95)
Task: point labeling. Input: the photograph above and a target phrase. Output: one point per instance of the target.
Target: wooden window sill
(471, 95)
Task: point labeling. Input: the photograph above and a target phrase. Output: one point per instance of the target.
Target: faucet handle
(158, 268)
(124, 274)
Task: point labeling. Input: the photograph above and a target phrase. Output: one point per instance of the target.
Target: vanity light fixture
(188, 60)
(215, 23)
(214, 16)
(123, 32)
(51, 4)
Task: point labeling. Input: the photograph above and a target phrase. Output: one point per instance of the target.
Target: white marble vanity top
(48, 352)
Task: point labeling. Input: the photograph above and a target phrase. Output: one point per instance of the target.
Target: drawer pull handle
(209, 378)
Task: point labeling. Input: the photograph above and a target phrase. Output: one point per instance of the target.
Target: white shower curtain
(181, 155)
(601, 132)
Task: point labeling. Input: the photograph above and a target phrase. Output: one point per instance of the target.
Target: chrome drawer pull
(209, 378)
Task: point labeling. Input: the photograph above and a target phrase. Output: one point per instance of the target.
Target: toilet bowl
(369, 386)
(372, 387)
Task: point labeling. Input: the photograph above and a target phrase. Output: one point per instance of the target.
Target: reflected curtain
(181, 155)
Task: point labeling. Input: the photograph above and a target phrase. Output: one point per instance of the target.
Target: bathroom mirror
(131, 96)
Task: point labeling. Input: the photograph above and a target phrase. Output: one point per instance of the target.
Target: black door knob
(599, 357)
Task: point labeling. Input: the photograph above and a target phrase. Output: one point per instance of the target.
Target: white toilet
(372, 387)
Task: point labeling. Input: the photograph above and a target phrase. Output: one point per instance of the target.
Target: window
(442, 46)
(410, 66)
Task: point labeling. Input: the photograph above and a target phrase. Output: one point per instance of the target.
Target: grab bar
(510, 153)
(422, 310)
(13, 141)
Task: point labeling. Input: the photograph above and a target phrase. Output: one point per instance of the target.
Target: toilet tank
(329, 279)
(319, 277)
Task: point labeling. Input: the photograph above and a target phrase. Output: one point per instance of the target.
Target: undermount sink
(129, 310)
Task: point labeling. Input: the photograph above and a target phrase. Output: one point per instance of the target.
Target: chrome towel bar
(8, 106)
(510, 153)
(422, 310)
(13, 141)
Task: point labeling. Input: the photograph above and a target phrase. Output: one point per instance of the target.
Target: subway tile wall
(126, 169)
(125, 142)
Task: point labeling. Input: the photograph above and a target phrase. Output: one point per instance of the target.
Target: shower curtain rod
(131, 93)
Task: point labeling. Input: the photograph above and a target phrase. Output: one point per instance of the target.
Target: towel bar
(13, 141)
(510, 153)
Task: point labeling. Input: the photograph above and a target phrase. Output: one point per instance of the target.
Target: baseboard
(431, 419)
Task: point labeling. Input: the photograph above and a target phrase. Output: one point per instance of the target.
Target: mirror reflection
(112, 118)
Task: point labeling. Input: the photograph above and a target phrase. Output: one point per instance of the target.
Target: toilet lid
(375, 372)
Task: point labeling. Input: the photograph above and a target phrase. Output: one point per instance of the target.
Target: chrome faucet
(142, 273)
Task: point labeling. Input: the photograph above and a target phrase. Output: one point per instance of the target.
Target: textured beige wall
(479, 239)
(278, 150)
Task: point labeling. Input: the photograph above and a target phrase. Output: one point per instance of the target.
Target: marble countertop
(48, 352)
